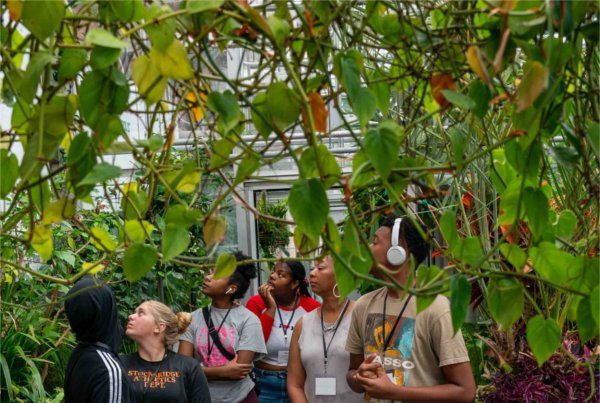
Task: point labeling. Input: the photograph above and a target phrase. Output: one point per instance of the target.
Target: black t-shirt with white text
(175, 378)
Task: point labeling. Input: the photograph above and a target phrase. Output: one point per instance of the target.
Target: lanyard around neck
(286, 327)
(212, 346)
(383, 322)
(335, 328)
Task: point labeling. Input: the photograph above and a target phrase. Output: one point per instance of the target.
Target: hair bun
(183, 321)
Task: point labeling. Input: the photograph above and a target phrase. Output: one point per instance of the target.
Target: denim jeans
(272, 386)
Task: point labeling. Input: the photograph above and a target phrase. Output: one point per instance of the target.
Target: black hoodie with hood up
(94, 372)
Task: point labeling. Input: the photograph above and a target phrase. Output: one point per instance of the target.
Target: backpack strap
(214, 336)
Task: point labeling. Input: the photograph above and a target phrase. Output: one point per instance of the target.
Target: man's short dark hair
(409, 234)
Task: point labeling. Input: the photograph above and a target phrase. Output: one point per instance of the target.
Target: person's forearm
(355, 386)
(215, 373)
(440, 393)
(296, 394)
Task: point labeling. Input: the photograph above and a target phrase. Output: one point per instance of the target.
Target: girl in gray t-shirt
(227, 366)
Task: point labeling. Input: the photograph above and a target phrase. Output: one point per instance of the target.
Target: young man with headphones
(395, 353)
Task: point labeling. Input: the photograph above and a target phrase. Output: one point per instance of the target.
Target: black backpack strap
(214, 336)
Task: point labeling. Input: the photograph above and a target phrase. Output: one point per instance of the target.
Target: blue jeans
(272, 386)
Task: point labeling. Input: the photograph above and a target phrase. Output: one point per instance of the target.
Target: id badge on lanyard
(325, 385)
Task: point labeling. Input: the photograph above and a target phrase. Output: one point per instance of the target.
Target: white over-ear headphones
(396, 254)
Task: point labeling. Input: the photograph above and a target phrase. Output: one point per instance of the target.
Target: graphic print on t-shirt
(154, 380)
(205, 345)
(398, 357)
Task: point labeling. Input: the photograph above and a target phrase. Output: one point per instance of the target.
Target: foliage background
(478, 117)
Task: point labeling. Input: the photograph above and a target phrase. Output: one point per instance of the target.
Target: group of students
(282, 346)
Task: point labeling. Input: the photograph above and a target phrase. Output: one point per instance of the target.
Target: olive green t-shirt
(420, 345)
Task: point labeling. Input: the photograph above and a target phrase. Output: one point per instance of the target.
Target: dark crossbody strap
(214, 336)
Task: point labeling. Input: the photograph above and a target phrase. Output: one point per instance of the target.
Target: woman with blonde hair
(157, 373)
(318, 360)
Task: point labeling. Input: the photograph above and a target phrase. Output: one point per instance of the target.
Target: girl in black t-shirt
(157, 373)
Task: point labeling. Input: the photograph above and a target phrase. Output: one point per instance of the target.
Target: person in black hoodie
(94, 372)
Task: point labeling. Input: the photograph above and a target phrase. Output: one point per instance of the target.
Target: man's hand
(368, 368)
(266, 292)
(235, 370)
(378, 387)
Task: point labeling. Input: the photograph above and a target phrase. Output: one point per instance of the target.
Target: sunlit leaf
(214, 230)
(535, 79)
(58, 211)
(102, 240)
(175, 241)
(505, 300)
(226, 265)
(309, 206)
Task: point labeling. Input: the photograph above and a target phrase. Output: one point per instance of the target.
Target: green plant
(485, 111)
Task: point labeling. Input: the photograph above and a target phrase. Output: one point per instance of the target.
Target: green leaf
(458, 99)
(9, 167)
(175, 241)
(595, 303)
(593, 135)
(536, 208)
(460, 295)
(468, 250)
(134, 202)
(586, 324)
(543, 336)
(364, 105)
(260, 115)
(146, 75)
(58, 116)
(182, 216)
(220, 153)
(382, 146)
(66, 255)
(197, 6)
(173, 62)
(136, 230)
(381, 91)
(101, 172)
(41, 241)
(101, 37)
(550, 262)
(535, 79)
(154, 143)
(226, 265)
(33, 74)
(566, 224)
(248, 165)
(227, 107)
(58, 211)
(303, 243)
(72, 62)
(162, 33)
(309, 206)
(214, 230)
(481, 96)
(515, 255)
(457, 138)
(102, 240)
(42, 17)
(313, 157)
(449, 229)
(139, 260)
(427, 275)
(103, 57)
(505, 300)
(283, 105)
(280, 28)
(347, 67)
